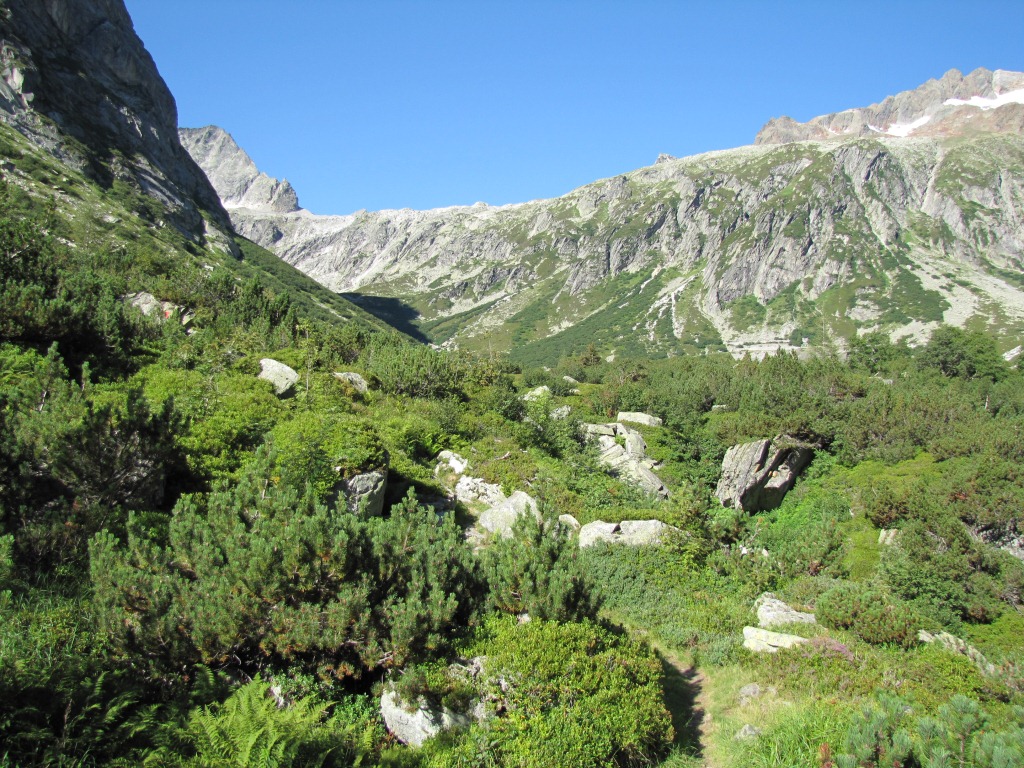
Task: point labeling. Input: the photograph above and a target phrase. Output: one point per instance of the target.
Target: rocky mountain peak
(117, 122)
(233, 173)
(952, 105)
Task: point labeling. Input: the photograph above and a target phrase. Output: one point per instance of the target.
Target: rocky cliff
(77, 81)
(770, 246)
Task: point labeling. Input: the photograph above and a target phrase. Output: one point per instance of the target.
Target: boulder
(887, 537)
(278, 374)
(471, 490)
(762, 641)
(450, 461)
(561, 412)
(357, 382)
(630, 469)
(537, 394)
(570, 522)
(747, 733)
(600, 429)
(639, 418)
(572, 381)
(151, 306)
(636, 446)
(500, 518)
(364, 493)
(414, 722)
(757, 475)
(634, 533)
(772, 612)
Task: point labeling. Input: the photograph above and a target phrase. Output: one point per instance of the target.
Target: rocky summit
(896, 217)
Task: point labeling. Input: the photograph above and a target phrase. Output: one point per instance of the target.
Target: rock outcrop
(282, 377)
(499, 518)
(772, 612)
(633, 533)
(414, 723)
(764, 641)
(364, 493)
(75, 74)
(757, 475)
(354, 380)
(627, 461)
(956, 645)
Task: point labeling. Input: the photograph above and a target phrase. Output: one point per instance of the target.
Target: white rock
(413, 724)
(452, 461)
(569, 522)
(887, 536)
(762, 641)
(591, 533)
(470, 490)
(772, 612)
(639, 418)
(500, 518)
(561, 412)
(537, 394)
(280, 375)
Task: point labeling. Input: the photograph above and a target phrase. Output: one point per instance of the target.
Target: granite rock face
(121, 112)
(704, 239)
(757, 475)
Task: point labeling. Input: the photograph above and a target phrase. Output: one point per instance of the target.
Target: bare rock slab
(639, 418)
(764, 641)
(633, 533)
(757, 475)
(499, 519)
(772, 612)
(281, 376)
(414, 723)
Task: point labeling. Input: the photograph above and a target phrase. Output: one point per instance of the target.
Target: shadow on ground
(682, 687)
(392, 311)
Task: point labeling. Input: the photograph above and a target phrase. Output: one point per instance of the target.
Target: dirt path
(687, 702)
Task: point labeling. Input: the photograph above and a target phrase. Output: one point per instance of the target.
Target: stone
(415, 723)
(499, 519)
(634, 533)
(757, 475)
(747, 732)
(763, 641)
(887, 536)
(639, 418)
(146, 303)
(629, 468)
(452, 461)
(570, 380)
(636, 446)
(561, 412)
(599, 429)
(592, 533)
(364, 493)
(474, 490)
(357, 382)
(570, 522)
(537, 394)
(278, 374)
(772, 612)
(638, 533)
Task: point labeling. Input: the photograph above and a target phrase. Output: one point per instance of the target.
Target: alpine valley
(898, 217)
(716, 464)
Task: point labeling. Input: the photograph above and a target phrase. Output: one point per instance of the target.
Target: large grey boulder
(762, 641)
(280, 375)
(757, 475)
(475, 490)
(414, 722)
(639, 418)
(538, 393)
(499, 519)
(364, 493)
(633, 533)
(629, 468)
(772, 612)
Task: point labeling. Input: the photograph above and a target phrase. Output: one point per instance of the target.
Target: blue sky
(420, 104)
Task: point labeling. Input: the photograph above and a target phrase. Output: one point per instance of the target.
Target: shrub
(868, 613)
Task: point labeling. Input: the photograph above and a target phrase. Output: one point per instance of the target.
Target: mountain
(784, 244)
(103, 149)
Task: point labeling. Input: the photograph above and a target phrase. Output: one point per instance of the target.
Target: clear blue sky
(419, 104)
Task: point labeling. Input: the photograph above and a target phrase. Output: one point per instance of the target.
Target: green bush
(868, 613)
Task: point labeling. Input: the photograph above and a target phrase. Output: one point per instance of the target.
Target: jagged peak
(950, 105)
(235, 176)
